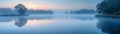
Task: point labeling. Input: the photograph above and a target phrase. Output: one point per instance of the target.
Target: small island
(20, 11)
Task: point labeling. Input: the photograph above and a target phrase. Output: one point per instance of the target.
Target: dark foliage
(109, 7)
(21, 9)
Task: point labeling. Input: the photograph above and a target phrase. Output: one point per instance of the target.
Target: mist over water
(49, 24)
(58, 24)
(59, 17)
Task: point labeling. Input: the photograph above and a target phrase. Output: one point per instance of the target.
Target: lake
(59, 24)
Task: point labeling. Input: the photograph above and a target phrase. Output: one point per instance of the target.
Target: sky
(51, 4)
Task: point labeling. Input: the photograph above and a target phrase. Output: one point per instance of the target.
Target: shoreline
(113, 16)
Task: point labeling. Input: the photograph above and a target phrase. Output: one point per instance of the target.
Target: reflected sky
(53, 24)
(22, 20)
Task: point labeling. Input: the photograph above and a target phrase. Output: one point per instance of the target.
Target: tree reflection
(109, 25)
(21, 21)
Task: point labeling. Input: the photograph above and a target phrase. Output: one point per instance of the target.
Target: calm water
(58, 24)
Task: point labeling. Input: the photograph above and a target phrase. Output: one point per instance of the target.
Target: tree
(109, 7)
(21, 9)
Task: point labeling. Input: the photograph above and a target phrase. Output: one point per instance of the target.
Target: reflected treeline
(22, 20)
(109, 25)
(85, 17)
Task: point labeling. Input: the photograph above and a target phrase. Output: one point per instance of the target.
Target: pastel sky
(51, 4)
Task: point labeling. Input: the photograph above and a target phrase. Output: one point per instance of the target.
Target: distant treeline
(31, 11)
(40, 11)
(10, 11)
(82, 11)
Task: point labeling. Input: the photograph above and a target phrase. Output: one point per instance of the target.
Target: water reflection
(83, 17)
(20, 21)
(109, 25)
(64, 24)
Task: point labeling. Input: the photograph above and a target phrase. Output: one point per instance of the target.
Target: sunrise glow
(37, 6)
